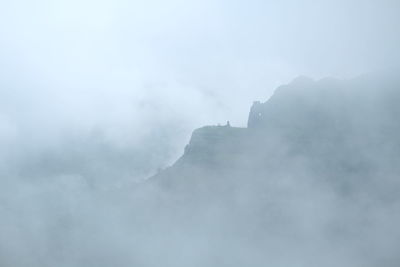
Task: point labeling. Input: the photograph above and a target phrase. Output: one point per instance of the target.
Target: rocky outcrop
(335, 128)
(316, 172)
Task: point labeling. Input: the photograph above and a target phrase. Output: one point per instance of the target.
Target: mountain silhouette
(343, 131)
(315, 172)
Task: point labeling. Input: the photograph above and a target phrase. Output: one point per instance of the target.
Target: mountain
(313, 180)
(341, 130)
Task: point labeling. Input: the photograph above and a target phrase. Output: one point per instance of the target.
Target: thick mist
(99, 98)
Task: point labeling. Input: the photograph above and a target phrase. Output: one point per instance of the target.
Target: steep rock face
(315, 174)
(207, 142)
(328, 104)
(330, 127)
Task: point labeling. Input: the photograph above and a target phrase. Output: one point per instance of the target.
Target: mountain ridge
(307, 117)
(313, 181)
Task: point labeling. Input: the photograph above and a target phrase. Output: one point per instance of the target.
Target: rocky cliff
(312, 181)
(331, 127)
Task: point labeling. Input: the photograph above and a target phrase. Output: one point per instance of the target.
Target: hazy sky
(97, 94)
(127, 66)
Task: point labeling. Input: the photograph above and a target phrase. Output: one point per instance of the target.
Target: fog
(97, 97)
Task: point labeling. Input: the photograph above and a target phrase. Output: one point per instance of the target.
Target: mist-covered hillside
(129, 136)
(312, 181)
(339, 131)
